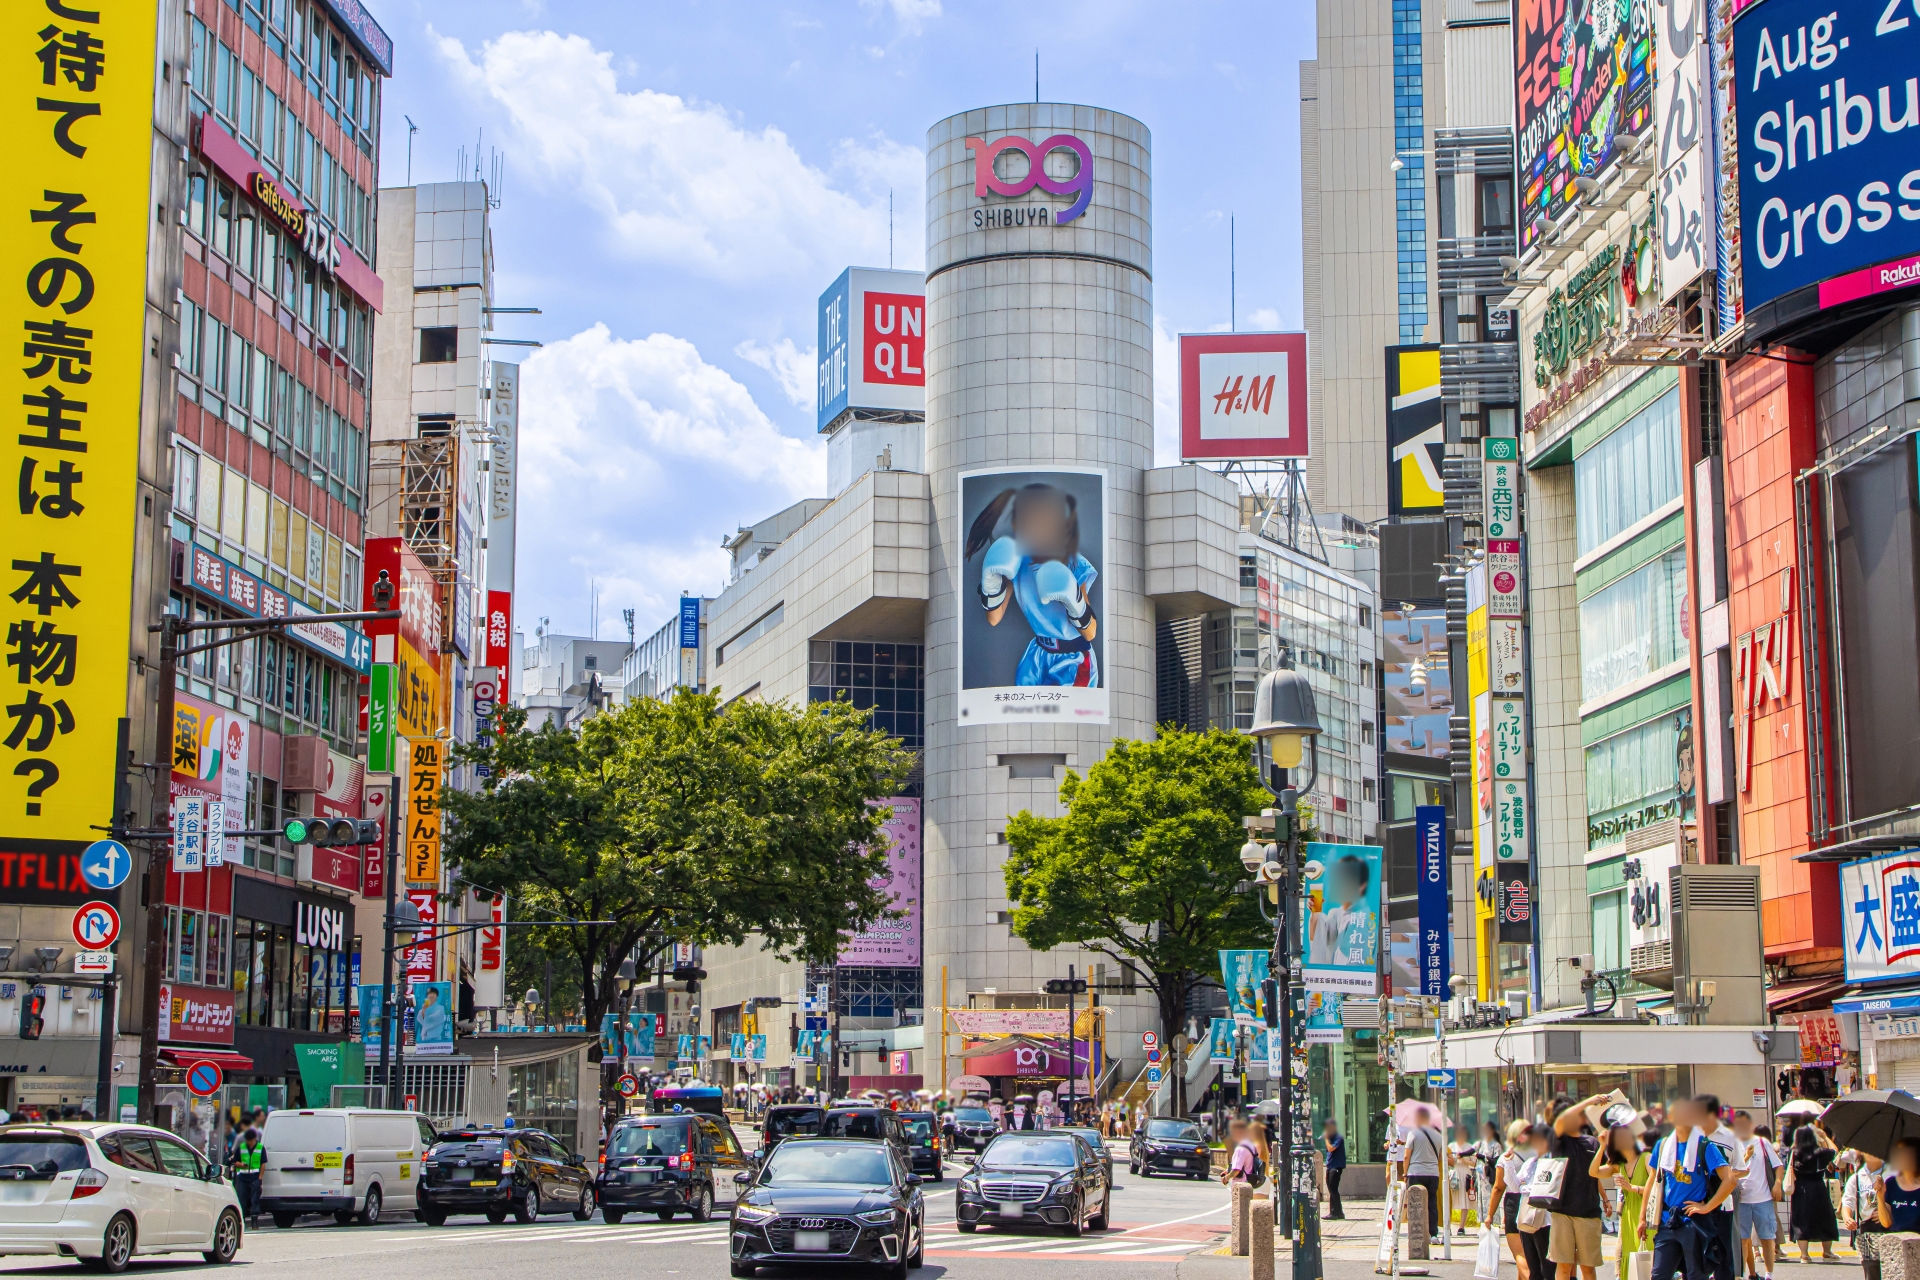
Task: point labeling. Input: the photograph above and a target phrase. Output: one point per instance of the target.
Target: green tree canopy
(680, 821)
(1143, 864)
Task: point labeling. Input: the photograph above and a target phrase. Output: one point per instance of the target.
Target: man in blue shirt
(1336, 1147)
(1691, 1179)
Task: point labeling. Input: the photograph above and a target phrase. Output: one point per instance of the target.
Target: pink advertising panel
(895, 942)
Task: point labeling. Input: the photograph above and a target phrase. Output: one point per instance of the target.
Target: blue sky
(683, 179)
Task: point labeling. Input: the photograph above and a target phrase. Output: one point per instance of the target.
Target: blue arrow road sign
(106, 864)
(1443, 1078)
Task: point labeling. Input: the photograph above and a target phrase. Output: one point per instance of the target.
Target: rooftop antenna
(477, 135)
(1233, 279)
(628, 615)
(889, 228)
(412, 129)
(1036, 76)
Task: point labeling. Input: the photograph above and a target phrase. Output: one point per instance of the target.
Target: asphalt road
(1157, 1223)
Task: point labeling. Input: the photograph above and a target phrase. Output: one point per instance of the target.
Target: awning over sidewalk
(1812, 993)
(1882, 1001)
(220, 1058)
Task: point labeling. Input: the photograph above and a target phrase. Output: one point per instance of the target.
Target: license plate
(637, 1177)
(1178, 1164)
(17, 1193)
(1012, 1210)
(812, 1241)
(463, 1175)
(486, 1182)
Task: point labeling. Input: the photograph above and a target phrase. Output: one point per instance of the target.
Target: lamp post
(1286, 726)
(624, 981)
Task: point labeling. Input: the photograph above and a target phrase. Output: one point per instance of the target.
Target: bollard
(1260, 1240)
(1242, 1197)
(1899, 1253)
(1419, 1225)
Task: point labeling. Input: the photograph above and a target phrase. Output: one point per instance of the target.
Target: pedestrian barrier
(1242, 1199)
(1419, 1224)
(1260, 1240)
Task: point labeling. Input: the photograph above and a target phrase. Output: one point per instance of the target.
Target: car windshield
(1011, 1151)
(1173, 1130)
(972, 1115)
(808, 1164)
(42, 1155)
(785, 1124)
(667, 1138)
(1089, 1136)
(851, 1125)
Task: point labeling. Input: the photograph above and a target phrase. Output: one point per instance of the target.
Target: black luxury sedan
(668, 1164)
(1166, 1145)
(974, 1127)
(1101, 1151)
(831, 1201)
(1043, 1179)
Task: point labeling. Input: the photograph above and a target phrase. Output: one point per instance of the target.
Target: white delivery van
(350, 1162)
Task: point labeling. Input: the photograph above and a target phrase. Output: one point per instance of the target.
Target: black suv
(924, 1141)
(668, 1164)
(1040, 1179)
(875, 1123)
(973, 1126)
(1166, 1145)
(525, 1172)
(788, 1121)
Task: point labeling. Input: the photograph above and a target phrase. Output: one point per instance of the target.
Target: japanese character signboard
(79, 124)
(1502, 479)
(423, 812)
(1509, 726)
(1880, 913)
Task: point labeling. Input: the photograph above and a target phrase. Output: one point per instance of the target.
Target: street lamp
(623, 980)
(1286, 727)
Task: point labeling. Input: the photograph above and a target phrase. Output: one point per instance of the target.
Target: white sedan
(101, 1193)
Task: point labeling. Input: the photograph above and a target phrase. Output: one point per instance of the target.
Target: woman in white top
(1510, 1175)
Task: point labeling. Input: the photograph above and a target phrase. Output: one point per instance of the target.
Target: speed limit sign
(1149, 1039)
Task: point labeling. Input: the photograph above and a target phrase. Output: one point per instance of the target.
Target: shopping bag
(1486, 1263)
(1639, 1266)
(1549, 1178)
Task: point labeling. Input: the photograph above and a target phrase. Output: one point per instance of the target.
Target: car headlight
(755, 1212)
(1062, 1184)
(970, 1183)
(878, 1218)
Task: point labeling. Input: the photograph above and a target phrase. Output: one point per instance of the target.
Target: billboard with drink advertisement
(1342, 925)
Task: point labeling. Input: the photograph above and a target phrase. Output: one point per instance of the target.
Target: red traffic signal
(33, 1011)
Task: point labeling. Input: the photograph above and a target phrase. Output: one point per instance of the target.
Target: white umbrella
(1803, 1107)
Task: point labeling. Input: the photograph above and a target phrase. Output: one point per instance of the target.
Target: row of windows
(278, 983)
(319, 57)
(222, 510)
(257, 249)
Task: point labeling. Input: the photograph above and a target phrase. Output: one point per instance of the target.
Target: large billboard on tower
(873, 344)
(1243, 395)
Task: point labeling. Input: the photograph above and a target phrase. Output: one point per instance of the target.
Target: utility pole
(389, 1025)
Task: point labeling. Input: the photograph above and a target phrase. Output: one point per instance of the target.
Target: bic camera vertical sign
(79, 124)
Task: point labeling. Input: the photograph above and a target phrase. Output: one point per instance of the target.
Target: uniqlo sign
(896, 325)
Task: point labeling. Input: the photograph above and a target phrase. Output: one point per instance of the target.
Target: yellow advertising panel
(423, 811)
(78, 121)
(416, 692)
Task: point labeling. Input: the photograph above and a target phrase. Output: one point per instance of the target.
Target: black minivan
(525, 1172)
(788, 1120)
(668, 1164)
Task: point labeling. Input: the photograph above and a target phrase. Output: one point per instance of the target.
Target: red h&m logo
(1257, 399)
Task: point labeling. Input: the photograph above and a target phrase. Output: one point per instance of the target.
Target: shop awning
(1879, 1001)
(223, 1059)
(1812, 993)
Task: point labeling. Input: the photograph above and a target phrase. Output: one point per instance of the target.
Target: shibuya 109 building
(1005, 577)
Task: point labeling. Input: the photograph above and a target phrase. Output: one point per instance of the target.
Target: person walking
(1425, 1158)
(1859, 1211)
(1691, 1180)
(1335, 1146)
(1756, 1223)
(1244, 1165)
(1810, 1207)
(248, 1158)
(1707, 1117)
(1534, 1240)
(1575, 1243)
(1621, 1163)
(1509, 1181)
(1897, 1194)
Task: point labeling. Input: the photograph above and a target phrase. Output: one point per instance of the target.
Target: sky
(681, 181)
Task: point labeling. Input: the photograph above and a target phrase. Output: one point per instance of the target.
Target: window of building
(887, 678)
(1632, 473)
(439, 345)
(1631, 629)
(1633, 771)
(1607, 914)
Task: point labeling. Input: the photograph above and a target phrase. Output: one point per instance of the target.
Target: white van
(348, 1161)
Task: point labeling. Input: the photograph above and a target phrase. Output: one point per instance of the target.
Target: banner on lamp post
(1436, 932)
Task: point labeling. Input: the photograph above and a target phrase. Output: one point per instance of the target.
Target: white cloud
(685, 183)
(1264, 318)
(637, 457)
(913, 15)
(791, 367)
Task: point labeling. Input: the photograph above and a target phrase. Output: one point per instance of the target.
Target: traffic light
(33, 1010)
(1066, 986)
(322, 832)
(1270, 995)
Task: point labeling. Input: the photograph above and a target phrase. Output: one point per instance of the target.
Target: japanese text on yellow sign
(423, 811)
(78, 118)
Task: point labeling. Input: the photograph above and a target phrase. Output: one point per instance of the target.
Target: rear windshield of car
(1173, 1130)
(1012, 1152)
(1089, 1136)
(667, 1138)
(851, 1126)
(919, 1128)
(972, 1115)
(785, 1124)
(812, 1164)
(33, 1156)
(468, 1144)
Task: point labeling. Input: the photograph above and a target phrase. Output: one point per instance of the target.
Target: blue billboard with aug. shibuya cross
(1829, 117)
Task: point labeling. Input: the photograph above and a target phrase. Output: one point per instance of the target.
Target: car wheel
(433, 1217)
(226, 1239)
(496, 1215)
(701, 1210)
(918, 1257)
(1099, 1220)
(116, 1246)
(1134, 1169)
(585, 1211)
(613, 1216)
(370, 1211)
(529, 1207)
(665, 1215)
(284, 1220)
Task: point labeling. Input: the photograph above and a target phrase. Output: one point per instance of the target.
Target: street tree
(1142, 866)
(679, 821)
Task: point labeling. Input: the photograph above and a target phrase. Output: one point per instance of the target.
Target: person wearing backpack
(1691, 1180)
(1245, 1165)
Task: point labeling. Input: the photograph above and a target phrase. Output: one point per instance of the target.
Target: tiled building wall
(1559, 762)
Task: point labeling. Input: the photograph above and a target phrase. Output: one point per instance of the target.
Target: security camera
(1582, 962)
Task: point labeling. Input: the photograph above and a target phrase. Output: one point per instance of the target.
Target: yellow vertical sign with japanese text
(78, 121)
(423, 811)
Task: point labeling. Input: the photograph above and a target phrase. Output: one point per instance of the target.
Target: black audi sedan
(1166, 1145)
(829, 1201)
(1043, 1179)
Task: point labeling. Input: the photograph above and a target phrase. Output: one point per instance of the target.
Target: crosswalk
(1116, 1245)
(589, 1232)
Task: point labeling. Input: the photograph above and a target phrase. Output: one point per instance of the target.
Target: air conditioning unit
(1710, 957)
(303, 763)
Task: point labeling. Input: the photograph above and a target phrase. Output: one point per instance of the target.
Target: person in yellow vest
(248, 1158)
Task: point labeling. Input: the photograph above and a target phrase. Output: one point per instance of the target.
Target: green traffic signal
(298, 831)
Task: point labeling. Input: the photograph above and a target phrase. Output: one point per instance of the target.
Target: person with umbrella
(1810, 1209)
(1691, 1178)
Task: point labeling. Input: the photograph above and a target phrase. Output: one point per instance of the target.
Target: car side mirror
(214, 1174)
(742, 1178)
(915, 1180)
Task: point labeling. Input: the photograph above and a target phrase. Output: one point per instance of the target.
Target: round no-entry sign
(95, 926)
(629, 1086)
(203, 1079)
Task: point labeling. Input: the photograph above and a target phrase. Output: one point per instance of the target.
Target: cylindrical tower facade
(1039, 372)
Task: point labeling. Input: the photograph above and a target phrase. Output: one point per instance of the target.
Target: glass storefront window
(1632, 473)
(1632, 628)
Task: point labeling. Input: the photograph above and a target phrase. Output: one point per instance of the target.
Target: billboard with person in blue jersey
(1031, 643)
